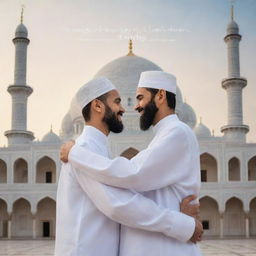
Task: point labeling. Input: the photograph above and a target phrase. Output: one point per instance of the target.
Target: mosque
(29, 169)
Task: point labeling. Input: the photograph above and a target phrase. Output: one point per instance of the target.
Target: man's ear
(161, 96)
(97, 106)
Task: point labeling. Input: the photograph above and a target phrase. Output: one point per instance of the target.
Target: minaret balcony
(20, 88)
(234, 82)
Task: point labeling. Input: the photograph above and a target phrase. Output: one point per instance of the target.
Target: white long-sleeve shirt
(86, 210)
(167, 171)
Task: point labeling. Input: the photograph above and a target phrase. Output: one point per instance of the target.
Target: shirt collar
(164, 122)
(96, 134)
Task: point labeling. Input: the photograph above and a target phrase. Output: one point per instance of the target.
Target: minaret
(20, 90)
(235, 130)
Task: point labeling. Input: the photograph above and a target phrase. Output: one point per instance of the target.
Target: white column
(10, 228)
(247, 227)
(9, 172)
(1, 228)
(34, 227)
(221, 225)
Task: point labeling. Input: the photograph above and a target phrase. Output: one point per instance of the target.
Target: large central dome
(125, 72)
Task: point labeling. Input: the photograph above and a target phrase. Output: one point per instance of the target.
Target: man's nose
(136, 107)
(122, 109)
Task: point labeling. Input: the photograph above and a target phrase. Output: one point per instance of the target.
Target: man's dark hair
(170, 97)
(86, 111)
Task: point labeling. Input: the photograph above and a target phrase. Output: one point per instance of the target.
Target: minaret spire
(235, 130)
(22, 13)
(232, 12)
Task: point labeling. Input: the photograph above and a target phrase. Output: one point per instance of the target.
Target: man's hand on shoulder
(65, 149)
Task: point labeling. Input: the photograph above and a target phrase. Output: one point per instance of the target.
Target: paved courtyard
(209, 247)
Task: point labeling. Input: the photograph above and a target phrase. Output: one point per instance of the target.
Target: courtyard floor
(209, 247)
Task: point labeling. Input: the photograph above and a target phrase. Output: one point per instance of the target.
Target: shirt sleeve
(164, 164)
(134, 210)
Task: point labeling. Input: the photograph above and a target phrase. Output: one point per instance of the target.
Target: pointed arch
(21, 218)
(209, 169)
(3, 171)
(20, 171)
(234, 169)
(3, 218)
(252, 168)
(209, 215)
(46, 217)
(252, 217)
(234, 224)
(46, 170)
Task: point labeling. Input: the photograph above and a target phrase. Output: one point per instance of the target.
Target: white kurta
(167, 171)
(83, 229)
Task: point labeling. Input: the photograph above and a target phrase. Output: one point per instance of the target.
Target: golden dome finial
(22, 12)
(130, 53)
(51, 128)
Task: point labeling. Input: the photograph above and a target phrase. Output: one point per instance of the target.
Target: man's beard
(110, 118)
(147, 118)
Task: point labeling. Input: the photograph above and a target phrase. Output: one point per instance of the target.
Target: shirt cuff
(182, 227)
(72, 153)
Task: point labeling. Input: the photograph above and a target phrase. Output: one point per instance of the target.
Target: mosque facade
(29, 169)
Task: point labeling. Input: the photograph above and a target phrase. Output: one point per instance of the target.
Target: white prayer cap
(92, 90)
(158, 80)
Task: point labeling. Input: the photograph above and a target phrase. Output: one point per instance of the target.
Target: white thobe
(166, 171)
(86, 210)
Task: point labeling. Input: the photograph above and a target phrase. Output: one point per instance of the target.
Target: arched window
(209, 216)
(252, 168)
(209, 171)
(46, 170)
(3, 172)
(234, 218)
(22, 219)
(46, 218)
(20, 171)
(234, 169)
(252, 217)
(3, 219)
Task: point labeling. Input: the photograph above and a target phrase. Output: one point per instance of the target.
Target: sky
(70, 40)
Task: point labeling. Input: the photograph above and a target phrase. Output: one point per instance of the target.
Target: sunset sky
(70, 40)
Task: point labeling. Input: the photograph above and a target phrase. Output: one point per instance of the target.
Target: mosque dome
(188, 115)
(21, 31)
(51, 138)
(124, 72)
(232, 28)
(202, 131)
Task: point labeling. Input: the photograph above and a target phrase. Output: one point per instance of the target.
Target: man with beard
(166, 171)
(88, 212)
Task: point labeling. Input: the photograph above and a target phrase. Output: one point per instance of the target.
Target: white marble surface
(209, 247)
